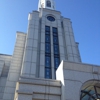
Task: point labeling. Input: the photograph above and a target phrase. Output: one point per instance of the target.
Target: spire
(49, 4)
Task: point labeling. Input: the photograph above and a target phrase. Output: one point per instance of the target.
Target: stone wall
(5, 61)
(15, 67)
(74, 75)
(38, 89)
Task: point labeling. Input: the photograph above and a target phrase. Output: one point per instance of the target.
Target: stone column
(31, 48)
(72, 54)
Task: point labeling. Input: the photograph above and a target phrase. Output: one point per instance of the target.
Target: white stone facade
(74, 75)
(5, 61)
(34, 54)
(15, 64)
(22, 75)
(38, 89)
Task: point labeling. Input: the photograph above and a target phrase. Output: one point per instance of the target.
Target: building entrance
(91, 91)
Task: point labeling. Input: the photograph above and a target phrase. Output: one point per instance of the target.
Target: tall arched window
(48, 4)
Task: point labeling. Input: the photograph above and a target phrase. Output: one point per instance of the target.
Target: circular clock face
(50, 18)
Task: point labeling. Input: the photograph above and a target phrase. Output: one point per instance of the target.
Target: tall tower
(37, 55)
(36, 58)
(50, 40)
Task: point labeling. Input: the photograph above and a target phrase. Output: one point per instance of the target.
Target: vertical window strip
(47, 53)
(56, 48)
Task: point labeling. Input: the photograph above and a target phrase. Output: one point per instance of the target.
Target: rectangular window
(47, 33)
(47, 73)
(47, 38)
(56, 49)
(55, 40)
(55, 34)
(47, 61)
(56, 62)
(47, 28)
(55, 30)
(47, 48)
(47, 53)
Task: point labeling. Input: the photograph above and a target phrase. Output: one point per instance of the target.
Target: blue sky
(84, 14)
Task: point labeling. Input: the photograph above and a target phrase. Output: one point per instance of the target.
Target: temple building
(46, 62)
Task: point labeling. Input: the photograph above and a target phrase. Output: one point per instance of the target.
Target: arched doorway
(90, 90)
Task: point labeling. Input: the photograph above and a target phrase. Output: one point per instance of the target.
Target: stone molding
(38, 89)
(39, 81)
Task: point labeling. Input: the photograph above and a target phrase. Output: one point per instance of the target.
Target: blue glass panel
(56, 49)
(55, 40)
(47, 38)
(55, 30)
(47, 48)
(47, 61)
(47, 73)
(57, 62)
(48, 54)
(47, 32)
(47, 28)
(55, 34)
